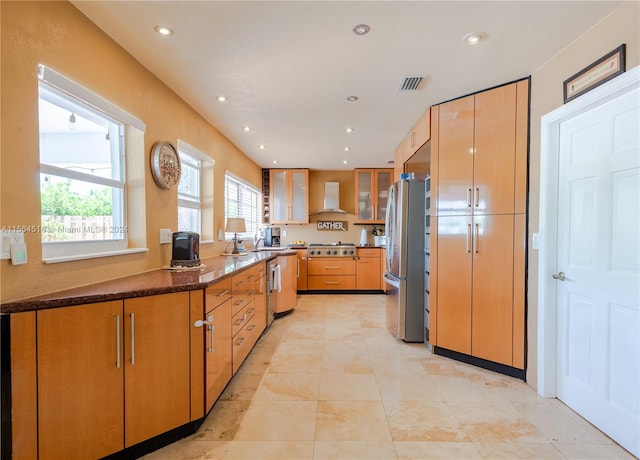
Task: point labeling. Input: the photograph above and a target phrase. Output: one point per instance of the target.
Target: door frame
(548, 221)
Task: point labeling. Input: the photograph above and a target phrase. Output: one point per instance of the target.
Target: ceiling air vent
(410, 83)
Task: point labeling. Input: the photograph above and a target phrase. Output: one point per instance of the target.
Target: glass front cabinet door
(372, 191)
(289, 190)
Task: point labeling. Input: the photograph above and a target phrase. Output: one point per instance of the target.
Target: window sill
(95, 255)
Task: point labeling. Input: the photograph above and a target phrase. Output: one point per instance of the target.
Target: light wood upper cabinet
(419, 134)
(80, 381)
(372, 191)
(156, 362)
(289, 191)
(477, 153)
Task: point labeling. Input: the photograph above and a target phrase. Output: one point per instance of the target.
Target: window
(242, 200)
(82, 174)
(189, 203)
(195, 192)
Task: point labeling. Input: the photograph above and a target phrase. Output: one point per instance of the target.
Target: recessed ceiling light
(344, 162)
(352, 98)
(246, 128)
(221, 98)
(261, 147)
(361, 29)
(346, 149)
(163, 30)
(474, 38)
(275, 162)
(349, 130)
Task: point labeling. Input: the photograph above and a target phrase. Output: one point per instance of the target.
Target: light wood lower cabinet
(80, 381)
(475, 286)
(302, 269)
(368, 269)
(287, 295)
(217, 345)
(111, 374)
(156, 360)
(332, 274)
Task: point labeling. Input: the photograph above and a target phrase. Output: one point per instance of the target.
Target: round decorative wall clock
(165, 165)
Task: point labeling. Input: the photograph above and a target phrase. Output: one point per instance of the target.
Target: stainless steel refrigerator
(405, 260)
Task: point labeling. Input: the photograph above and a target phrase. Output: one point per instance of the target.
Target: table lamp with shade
(235, 225)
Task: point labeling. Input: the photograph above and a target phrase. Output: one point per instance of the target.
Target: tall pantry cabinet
(479, 169)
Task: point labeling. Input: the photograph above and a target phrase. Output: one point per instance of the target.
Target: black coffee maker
(186, 249)
(272, 237)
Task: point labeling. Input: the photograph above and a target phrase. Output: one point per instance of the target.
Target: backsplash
(310, 234)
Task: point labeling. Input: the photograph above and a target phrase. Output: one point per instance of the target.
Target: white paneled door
(598, 266)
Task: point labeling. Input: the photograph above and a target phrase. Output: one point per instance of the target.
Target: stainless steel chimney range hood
(331, 199)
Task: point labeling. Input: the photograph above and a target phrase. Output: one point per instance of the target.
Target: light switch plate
(6, 239)
(535, 241)
(18, 253)
(165, 236)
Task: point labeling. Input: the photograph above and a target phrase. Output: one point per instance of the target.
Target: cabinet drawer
(331, 282)
(241, 318)
(332, 267)
(218, 293)
(368, 252)
(242, 282)
(244, 341)
(260, 270)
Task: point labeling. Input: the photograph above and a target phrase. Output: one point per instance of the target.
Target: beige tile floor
(329, 381)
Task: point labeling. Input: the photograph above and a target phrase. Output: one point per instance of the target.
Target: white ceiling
(287, 67)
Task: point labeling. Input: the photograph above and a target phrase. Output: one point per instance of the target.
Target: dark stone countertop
(161, 281)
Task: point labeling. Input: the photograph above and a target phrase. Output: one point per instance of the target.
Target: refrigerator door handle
(391, 280)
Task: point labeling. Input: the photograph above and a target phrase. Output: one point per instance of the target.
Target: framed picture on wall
(604, 69)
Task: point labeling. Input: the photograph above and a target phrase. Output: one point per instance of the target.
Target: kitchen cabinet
(260, 295)
(478, 251)
(289, 192)
(80, 381)
(332, 274)
(368, 269)
(302, 269)
(287, 295)
(156, 365)
(477, 153)
(372, 191)
(398, 161)
(217, 341)
(24, 389)
(419, 134)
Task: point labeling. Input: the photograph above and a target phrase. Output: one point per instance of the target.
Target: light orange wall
(57, 35)
(621, 26)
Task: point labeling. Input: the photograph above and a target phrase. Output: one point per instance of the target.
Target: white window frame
(63, 88)
(252, 216)
(205, 173)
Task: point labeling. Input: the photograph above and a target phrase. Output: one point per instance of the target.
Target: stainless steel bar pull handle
(468, 198)
(117, 341)
(223, 293)
(559, 276)
(475, 239)
(477, 200)
(468, 238)
(210, 329)
(133, 338)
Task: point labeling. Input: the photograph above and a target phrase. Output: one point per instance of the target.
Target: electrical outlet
(165, 236)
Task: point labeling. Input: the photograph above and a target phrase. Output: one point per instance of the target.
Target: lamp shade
(235, 225)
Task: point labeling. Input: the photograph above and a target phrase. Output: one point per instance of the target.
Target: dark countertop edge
(84, 295)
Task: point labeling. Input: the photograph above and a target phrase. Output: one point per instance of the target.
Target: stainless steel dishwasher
(273, 282)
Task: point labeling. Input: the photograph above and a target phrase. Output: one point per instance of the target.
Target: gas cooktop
(332, 250)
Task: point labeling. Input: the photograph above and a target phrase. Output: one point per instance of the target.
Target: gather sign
(333, 225)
